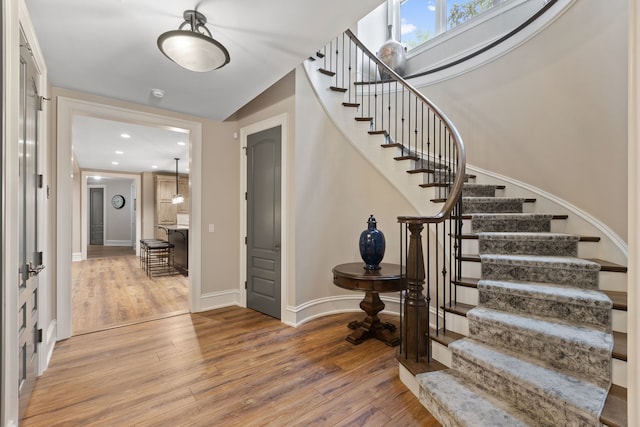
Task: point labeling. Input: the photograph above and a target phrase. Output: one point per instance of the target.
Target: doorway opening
(69, 110)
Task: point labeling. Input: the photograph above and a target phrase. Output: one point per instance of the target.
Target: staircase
(536, 345)
(518, 327)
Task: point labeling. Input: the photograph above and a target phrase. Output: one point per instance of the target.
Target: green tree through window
(460, 12)
(421, 20)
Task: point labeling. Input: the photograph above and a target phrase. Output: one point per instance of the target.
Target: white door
(29, 333)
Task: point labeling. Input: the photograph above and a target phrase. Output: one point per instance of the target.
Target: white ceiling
(99, 142)
(109, 48)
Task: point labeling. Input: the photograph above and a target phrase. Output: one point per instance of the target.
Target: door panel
(30, 257)
(263, 221)
(96, 216)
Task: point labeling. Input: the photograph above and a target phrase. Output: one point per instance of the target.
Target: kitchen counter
(178, 235)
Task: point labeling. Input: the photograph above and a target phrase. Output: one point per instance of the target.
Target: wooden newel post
(414, 340)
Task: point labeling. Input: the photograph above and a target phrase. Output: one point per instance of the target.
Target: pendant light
(177, 198)
(193, 48)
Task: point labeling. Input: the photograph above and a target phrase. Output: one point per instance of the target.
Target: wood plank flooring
(112, 290)
(226, 367)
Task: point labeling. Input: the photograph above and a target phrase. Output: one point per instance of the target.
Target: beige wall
(553, 112)
(220, 206)
(335, 191)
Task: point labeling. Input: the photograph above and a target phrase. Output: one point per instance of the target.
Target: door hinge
(245, 240)
(245, 284)
(246, 197)
(40, 180)
(41, 100)
(39, 335)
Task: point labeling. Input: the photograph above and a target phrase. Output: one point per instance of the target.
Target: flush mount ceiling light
(193, 48)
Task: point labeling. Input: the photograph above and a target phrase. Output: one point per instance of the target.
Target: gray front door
(96, 216)
(30, 258)
(263, 221)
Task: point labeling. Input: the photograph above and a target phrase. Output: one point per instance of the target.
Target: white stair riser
(441, 353)
(469, 246)
(612, 281)
(467, 295)
(619, 320)
(588, 250)
(409, 380)
(619, 373)
(457, 323)
(471, 269)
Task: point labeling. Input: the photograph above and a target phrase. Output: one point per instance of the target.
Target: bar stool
(143, 251)
(159, 258)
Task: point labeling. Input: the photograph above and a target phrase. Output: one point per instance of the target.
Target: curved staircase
(536, 343)
(519, 329)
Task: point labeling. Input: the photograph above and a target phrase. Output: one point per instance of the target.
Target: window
(421, 20)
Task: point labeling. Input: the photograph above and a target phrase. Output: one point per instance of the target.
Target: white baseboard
(50, 343)
(220, 299)
(296, 316)
(76, 256)
(118, 243)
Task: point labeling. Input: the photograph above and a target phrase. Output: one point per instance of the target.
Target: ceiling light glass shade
(177, 199)
(194, 48)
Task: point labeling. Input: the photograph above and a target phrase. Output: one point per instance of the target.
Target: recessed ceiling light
(125, 135)
(154, 167)
(119, 152)
(182, 143)
(114, 163)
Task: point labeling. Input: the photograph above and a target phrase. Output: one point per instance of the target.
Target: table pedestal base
(371, 326)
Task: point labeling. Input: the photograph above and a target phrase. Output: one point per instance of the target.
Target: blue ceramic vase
(372, 245)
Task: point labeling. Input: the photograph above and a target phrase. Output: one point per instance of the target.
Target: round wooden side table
(354, 277)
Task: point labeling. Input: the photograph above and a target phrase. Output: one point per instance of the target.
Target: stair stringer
(369, 146)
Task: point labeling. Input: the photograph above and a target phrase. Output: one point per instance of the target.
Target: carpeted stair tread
(455, 401)
(562, 270)
(478, 190)
(510, 222)
(547, 261)
(564, 303)
(530, 243)
(581, 351)
(492, 204)
(545, 394)
(496, 235)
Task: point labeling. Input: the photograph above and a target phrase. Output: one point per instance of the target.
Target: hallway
(110, 289)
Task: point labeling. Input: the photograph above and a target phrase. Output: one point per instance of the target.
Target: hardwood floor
(112, 290)
(226, 367)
